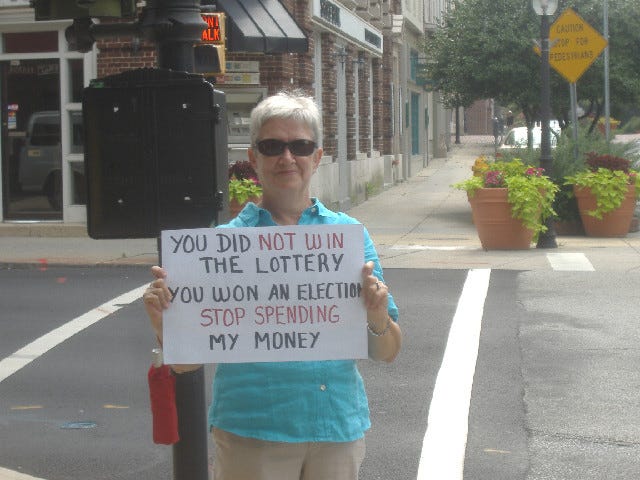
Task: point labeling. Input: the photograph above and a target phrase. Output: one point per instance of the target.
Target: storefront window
(31, 165)
(76, 132)
(76, 83)
(30, 42)
(78, 183)
(78, 188)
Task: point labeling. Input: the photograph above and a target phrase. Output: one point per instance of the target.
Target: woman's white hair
(294, 105)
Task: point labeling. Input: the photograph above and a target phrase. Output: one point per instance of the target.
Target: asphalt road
(555, 382)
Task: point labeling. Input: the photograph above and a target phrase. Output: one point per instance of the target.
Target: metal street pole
(546, 239)
(176, 25)
(607, 108)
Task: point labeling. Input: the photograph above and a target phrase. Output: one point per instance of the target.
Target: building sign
(373, 38)
(214, 33)
(340, 19)
(239, 78)
(264, 294)
(330, 12)
(240, 72)
(243, 66)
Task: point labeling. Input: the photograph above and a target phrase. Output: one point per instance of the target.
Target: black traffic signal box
(155, 153)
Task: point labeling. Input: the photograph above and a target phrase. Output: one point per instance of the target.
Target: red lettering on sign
(213, 32)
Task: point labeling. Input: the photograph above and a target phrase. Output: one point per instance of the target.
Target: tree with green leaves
(484, 49)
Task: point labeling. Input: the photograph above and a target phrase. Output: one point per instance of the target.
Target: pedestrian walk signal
(209, 59)
(210, 53)
(215, 31)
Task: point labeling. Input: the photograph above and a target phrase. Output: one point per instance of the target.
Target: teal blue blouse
(319, 401)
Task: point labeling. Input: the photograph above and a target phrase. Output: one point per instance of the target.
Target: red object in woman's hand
(162, 392)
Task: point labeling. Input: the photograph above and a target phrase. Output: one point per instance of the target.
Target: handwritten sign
(264, 294)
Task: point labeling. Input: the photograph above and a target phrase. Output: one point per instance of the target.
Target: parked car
(517, 137)
(40, 161)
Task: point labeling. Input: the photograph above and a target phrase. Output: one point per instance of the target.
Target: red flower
(243, 170)
(494, 179)
(534, 172)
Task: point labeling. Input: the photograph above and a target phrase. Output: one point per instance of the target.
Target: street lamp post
(545, 8)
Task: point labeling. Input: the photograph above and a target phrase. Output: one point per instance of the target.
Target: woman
(291, 420)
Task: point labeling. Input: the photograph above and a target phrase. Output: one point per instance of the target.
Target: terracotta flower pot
(613, 224)
(612, 126)
(496, 228)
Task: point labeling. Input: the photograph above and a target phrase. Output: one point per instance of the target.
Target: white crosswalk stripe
(570, 262)
(445, 440)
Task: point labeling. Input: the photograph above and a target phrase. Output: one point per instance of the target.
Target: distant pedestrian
(509, 119)
(496, 130)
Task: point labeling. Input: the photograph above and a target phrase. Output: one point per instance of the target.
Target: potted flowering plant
(606, 192)
(613, 124)
(508, 197)
(244, 185)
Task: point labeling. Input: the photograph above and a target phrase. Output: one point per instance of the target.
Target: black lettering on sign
(189, 244)
(238, 293)
(310, 262)
(224, 264)
(286, 340)
(234, 242)
(187, 294)
(221, 340)
(279, 291)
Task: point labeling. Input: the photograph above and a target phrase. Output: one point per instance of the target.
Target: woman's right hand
(157, 298)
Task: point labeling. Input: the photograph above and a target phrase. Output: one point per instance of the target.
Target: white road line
(445, 440)
(11, 475)
(570, 262)
(30, 352)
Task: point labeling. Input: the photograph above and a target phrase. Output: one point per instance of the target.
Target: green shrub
(631, 126)
(569, 157)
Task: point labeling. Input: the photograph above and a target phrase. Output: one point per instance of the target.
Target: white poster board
(264, 294)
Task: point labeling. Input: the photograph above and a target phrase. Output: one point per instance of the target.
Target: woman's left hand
(375, 293)
(376, 299)
(385, 337)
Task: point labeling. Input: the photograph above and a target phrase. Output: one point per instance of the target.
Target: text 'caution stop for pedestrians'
(575, 45)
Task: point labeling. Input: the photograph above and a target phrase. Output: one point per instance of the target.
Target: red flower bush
(610, 162)
(494, 179)
(243, 182)
(243, 170)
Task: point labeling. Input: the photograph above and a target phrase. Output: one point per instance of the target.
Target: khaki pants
(240, 458)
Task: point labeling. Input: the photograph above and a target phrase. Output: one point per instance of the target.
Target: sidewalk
(419, 223)
(424, 223)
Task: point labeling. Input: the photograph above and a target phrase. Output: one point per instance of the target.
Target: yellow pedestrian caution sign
(574, 45)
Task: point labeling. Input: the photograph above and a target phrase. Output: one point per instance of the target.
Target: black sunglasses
(272, 147)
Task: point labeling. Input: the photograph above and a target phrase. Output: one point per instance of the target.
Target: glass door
(31, 153)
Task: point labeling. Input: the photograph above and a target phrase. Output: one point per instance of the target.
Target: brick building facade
(355, 67)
